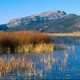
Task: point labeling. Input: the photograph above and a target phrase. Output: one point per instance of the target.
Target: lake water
(60, 64)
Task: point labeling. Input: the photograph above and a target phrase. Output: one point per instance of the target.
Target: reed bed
(24, 42)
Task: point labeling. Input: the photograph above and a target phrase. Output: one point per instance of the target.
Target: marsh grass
(37, 48)
(25, 42)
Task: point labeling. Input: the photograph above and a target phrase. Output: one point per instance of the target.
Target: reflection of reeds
(6, 67)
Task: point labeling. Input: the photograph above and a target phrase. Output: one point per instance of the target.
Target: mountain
(58, 21)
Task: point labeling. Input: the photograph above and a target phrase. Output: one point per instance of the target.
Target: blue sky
(10, 9)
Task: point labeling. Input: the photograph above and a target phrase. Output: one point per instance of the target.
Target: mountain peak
(50, 21)
(49, 15)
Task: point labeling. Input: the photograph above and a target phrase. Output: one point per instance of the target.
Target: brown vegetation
(12, 40)
(24, 37)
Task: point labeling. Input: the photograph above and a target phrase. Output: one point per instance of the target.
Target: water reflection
(60, 64)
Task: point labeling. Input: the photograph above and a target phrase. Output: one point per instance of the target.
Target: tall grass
(24, 41)
(37, 48)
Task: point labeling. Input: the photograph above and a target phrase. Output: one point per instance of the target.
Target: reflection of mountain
(58, 21)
